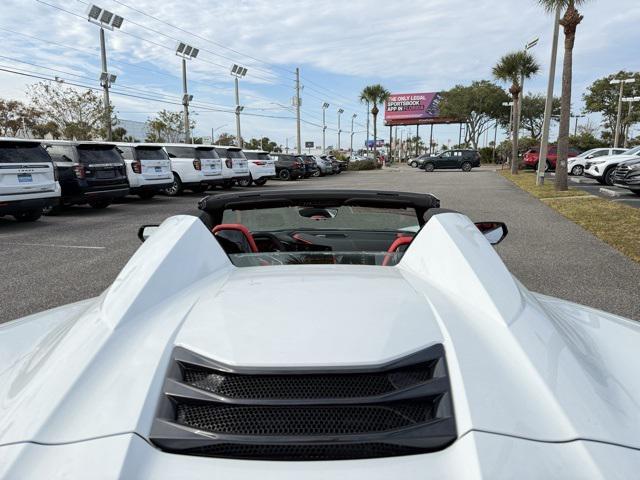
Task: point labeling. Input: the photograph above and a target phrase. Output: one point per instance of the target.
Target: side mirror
(494, 232)
(146, 231)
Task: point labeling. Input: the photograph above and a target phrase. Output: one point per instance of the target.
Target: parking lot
(77, 254)
(615, 194)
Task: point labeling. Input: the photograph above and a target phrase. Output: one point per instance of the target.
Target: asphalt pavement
(77, 254)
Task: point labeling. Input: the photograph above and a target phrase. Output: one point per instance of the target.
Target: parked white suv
(195, 167)
(576, 164)
(148, 168)
(28, 179)
(261, 167)
(235, 167)
(602, 168)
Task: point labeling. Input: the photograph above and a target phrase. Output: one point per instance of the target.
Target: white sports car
(319, 335)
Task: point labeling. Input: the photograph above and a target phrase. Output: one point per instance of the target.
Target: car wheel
(413, 164)
(227, 185)
(284, 174)
(245, 182)
(176, 187)
(99, 205)
(577, 170)
(316, 173)
(146, 195)
(429, 167)
(608, 176)
(30, 216)
(466, 167)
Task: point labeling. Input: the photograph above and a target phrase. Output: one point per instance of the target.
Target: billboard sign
(408, 108)
(379, 142)
(309, 144)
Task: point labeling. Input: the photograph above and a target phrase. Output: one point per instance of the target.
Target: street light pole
(238, 72)
(630, 100)
(368, 115)
(353, 117)
(299, 138)
(527, 47)
(575, 128)
(548, 105)
(105, 19)
(616, 139)
(325, 105)
(187, 52)
(340, 112)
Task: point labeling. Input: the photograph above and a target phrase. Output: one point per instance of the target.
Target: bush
(486, 155)
(364, 165)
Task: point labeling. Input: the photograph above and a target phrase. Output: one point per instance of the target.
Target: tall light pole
(186, 52)
(368, 115)
(508, 104)
(548, 105)
(325, 105)
(238, 72)
(575, 128)
(630, 100)
(353, 117)
(616, 137)
(340, 112)
(297, 105)
(527, 47)
(110, 21)
(214, 130)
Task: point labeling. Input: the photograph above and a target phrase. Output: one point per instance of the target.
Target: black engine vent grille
(210, 409)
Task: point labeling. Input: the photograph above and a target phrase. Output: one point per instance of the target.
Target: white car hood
(520, 365)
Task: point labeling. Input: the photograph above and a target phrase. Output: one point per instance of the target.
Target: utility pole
(575, 128)
(353, 117)
(340, 112)
(630, 100)
(431, 140)
(299, 140)
(325, 105)
(185, 102)
(417, 139)
(368, 115)
(616, 138)
(495, 140)
(548, 106)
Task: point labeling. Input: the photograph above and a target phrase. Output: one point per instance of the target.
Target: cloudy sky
(339, 46)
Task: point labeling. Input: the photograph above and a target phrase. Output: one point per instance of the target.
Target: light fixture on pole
(340, 112)
(353, 117)
(109, 20)
(575, 128)
(325, 105)
(238, 72)
(631, 101)
(621, 82)
(527, 47)
(186, 52)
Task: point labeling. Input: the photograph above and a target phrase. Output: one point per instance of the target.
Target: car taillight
(79, 171)
(136, 167)
(197, 164)
(55, 173)
(259, 163)
(229, 163)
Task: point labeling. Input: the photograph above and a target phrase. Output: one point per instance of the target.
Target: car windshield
(20, 152)
(310, 235)
(588, 152)
(633, 151)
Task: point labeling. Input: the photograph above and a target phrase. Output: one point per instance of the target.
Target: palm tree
(513, 67)
(569, 23)
(374, 94)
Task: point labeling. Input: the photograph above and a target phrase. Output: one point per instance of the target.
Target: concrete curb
(609, 193)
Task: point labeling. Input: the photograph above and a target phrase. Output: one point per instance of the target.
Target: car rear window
(150, 153)
(207, 153)
(181, 152)
(228, 153)
(95, 154)
(19, 152)
(257, 156)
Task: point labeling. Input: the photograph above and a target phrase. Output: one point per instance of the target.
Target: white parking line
(82, 247)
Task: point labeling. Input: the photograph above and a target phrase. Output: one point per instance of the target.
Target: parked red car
(530, 158)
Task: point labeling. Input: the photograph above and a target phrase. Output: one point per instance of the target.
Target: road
(77, 255)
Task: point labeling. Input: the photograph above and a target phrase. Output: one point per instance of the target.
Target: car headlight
(597, 162)
(634, 167)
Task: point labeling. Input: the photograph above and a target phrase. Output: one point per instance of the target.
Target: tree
(167, 127)
(478, 105)
(226, 139)
(569, 23)
(533, 113)
(263, 143)
(511, 68)
(585, 140)
(602, 97)
(77, 114)
(17, 118)
(119, 134)
(374, 95)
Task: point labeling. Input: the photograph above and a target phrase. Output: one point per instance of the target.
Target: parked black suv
(288, 167)
(462, 159)
(627, 175)
(89, 172)
(310, 167)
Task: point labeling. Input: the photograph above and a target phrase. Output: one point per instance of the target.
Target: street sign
(309, 144)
